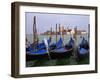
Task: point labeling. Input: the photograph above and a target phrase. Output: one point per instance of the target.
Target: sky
(44, 21)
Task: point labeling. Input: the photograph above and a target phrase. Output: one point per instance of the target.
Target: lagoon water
(66, 38)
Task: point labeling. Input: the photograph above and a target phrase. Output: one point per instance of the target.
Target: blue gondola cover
(38, 52)
(59, 43)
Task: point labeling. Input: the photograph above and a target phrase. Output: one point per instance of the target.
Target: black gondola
(39, 52)
(62, 51)
(83, 49)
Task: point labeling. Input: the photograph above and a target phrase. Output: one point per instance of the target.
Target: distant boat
(62, 51)
(83, 50)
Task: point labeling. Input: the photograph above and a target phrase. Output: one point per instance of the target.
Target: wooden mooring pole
(56, 33)
(75, 44)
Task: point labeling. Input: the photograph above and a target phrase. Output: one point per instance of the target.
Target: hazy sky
(45, 21)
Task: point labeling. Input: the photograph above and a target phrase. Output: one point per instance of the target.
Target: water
(66, 38)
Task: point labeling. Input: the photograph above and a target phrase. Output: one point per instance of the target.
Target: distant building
(68, 31)
(81, 32)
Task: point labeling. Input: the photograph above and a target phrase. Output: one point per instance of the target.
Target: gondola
(83, 49)
(38, 51)
(36, 55)
(62, 51)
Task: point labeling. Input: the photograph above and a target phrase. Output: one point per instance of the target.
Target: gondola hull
(36, 55)
(83, 53)
(30, 57)
(83, 50)
(60, 53)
